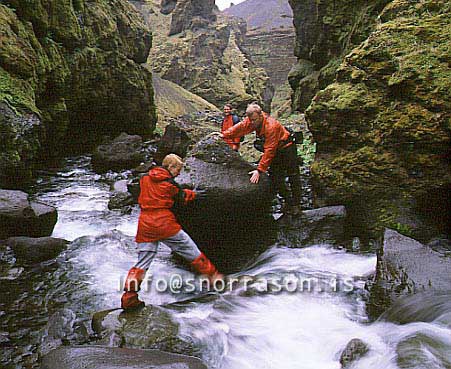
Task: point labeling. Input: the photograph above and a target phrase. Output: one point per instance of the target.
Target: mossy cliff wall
(326, 30)
(69, 73)
(383, 125)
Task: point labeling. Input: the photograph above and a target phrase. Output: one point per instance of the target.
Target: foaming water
(81, 197)
(302, 329)
(250, 326)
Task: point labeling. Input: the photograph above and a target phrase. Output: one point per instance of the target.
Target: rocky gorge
(333, 286)
(190, 35)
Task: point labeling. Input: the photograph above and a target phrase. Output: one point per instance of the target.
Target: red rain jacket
(274, 133)
(226, 124)
(156, 220)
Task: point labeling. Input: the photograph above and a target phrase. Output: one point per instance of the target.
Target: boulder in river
(20, 217)
(34, 250)
(147, 328)
(353, 351)
(405, 266)
(125, 151)
(233, 220)
(322, 225)
(120, 198)
(99, 357)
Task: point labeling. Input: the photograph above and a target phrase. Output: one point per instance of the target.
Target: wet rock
(11, 274)
(4, 339)
(35, 250)
(44, 221)
(382, 149)
(420, 307)
(121, 200)
(175, 140)
(19, 217)
(234, 211)
(98, 357)
(423, 349)
(124, 152)
(354, 350)
(323, 225)
(71, 73)
(405, 266)
(63, 328)
(147, 328)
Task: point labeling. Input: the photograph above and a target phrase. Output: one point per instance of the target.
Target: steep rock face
(270, 35)
(191, 15)
(325, 32)
(383, 129)
(73, 69)
(383, 126)
(270, 40)
(202, 55)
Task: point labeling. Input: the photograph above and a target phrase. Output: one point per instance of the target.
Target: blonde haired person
(157, 223)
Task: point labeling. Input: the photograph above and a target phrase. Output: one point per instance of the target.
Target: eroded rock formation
(383, 126)
(69, 72)
(202, 51)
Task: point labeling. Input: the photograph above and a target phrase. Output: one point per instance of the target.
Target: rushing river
(258, 329)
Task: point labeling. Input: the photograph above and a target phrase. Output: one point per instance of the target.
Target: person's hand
(255, 176)
(201, 194)
(215, 135)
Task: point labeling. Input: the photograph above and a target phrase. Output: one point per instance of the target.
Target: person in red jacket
(229, 121)
(279, 157)
(158, 223)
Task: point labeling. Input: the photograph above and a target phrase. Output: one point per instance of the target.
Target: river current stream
(259, 329)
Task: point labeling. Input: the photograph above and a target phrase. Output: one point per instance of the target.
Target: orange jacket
(156, 220)
(272, 131)
(226, 124)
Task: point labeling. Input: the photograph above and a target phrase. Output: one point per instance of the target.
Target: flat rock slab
(405, 266)
(98, 357)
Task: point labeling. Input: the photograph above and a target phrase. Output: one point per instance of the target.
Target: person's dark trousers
(284, 165)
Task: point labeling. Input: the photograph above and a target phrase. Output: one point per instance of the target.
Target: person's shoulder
(270, 121)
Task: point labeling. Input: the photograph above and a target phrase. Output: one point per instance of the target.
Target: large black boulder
(233, 220)
(20, 217)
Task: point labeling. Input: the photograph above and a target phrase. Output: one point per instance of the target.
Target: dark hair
(228, 106)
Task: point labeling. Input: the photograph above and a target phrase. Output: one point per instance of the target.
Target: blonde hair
(172, 161)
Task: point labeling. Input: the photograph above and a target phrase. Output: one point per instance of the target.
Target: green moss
(17, 93)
